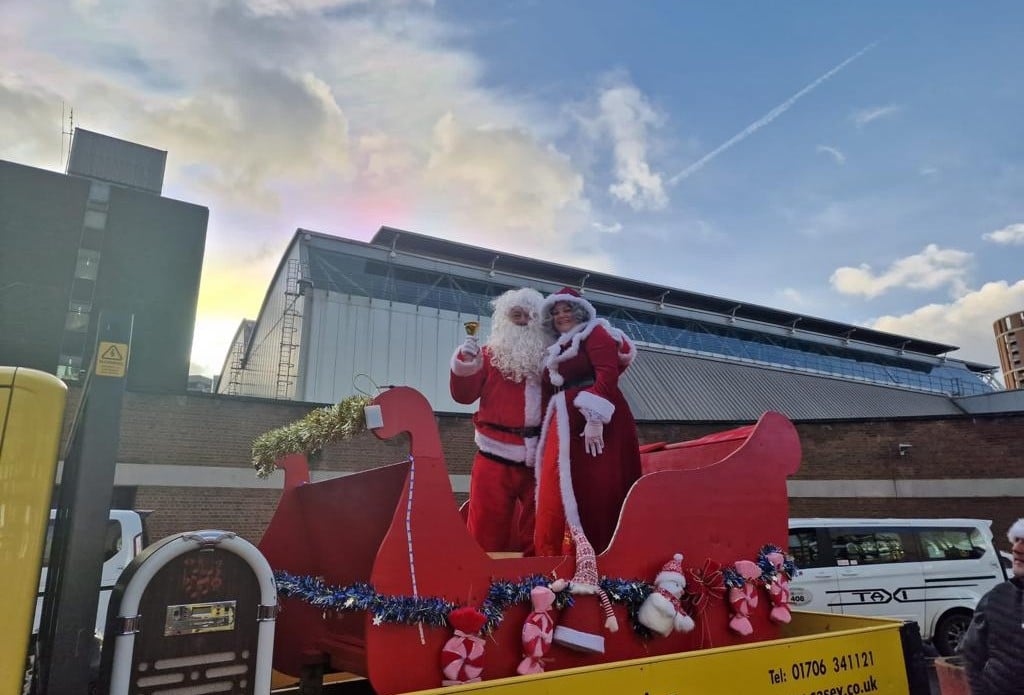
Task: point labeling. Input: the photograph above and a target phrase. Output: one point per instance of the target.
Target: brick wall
(206, 430)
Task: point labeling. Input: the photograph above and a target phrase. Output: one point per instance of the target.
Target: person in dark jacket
(993, 648)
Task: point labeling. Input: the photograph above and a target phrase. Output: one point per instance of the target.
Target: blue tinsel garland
(409, 610)
(502, 594)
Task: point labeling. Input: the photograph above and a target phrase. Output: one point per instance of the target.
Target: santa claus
(505, 375)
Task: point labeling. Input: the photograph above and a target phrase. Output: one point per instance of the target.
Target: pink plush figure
(778, 589)
(538, 631)
(743, 599)
(462, 658)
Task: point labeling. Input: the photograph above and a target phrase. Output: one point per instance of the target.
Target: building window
(70, 367)
(88, 264)
(99, 192)
(77, 318)
(95, 219)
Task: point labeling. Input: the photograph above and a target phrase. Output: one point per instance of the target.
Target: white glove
(593, 437)
(470, 348)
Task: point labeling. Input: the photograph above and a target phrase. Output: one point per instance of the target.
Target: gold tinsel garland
(311, 434)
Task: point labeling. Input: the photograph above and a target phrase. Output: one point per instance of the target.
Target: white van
(931, 571)
(124, 539)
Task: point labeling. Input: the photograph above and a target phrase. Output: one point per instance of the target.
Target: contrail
(765, 119)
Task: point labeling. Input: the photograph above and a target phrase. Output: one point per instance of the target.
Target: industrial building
(343, 316)
(98, 237)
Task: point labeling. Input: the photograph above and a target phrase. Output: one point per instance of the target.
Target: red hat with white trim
(673, 569)
(571, 296)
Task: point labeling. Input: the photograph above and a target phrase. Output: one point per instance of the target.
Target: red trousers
(501, 505)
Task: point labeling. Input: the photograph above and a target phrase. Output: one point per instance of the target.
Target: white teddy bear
(661, 611)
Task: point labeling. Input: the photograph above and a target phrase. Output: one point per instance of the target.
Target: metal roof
(671, 386)
(410, 242)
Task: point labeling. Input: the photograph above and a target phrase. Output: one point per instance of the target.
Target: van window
(868, 546)
(803, 546)
(952, 544)
(111, 542)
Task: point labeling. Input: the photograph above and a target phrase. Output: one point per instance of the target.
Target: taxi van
(931, 571)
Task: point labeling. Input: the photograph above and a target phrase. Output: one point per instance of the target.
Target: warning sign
(112, 359)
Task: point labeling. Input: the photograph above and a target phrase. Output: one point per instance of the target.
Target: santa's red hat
(672, 570)
(567, 294)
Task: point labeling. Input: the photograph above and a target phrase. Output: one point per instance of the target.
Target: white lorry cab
(931, 571)
(125, 537)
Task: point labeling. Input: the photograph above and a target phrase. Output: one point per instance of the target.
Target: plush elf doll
(579, 627)
(462, 659)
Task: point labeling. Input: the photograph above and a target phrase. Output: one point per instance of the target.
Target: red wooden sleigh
(721, 497)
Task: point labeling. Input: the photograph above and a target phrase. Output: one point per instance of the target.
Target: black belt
(500, 459)
(578, 384)
(518, 431)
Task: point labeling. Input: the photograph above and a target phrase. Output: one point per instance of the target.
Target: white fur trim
(512, 452)
(568, 346)
(532, 397)
(460, 368)
(558, 409)
(602, 407)
(531, 451)
(580, 641)
(665, 576)
(1015, 531)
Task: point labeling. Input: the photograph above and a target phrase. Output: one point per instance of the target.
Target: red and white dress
(507, 427)
(583, 369)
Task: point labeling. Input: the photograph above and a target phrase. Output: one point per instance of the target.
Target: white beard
(518, 351)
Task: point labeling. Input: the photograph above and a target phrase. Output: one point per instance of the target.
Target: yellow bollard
(31, 415)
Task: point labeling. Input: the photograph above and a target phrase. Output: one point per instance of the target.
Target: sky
(861, 162)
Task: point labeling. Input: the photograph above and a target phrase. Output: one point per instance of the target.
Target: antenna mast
(67, 116)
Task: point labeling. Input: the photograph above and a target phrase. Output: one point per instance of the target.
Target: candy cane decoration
(742, 597)
(538, 631)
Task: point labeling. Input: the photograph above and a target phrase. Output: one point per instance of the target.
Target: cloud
(507, 181)
(792, 297)
(1010, 234)
(865, 116)
(338, 116)
(966, 321)
(837, 155)
(625, 117)
(613, 228)
(928, 171)
(934, 267)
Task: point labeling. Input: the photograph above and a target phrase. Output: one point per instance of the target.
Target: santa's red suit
(507, 426)
(575, 487)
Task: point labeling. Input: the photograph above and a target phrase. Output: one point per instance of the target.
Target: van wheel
(950, 632)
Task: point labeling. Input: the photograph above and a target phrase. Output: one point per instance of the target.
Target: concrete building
(1009, 332)
(99, 237)
(342, 316)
